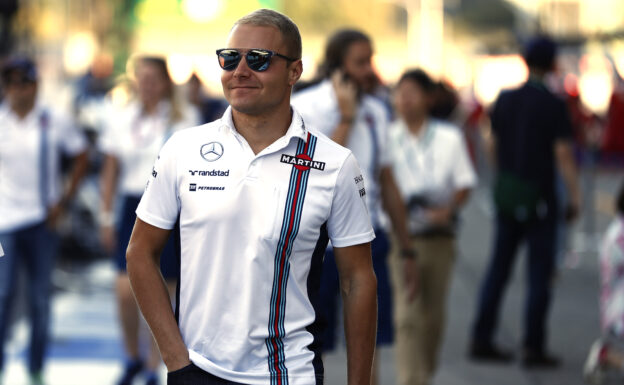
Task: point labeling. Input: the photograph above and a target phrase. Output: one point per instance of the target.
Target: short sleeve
(464, 175)
(71, 140)
(349, 222)
(160, 203)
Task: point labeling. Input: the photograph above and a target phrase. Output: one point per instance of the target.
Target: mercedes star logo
(211, 151)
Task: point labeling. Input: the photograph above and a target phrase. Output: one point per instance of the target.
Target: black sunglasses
(257, 59)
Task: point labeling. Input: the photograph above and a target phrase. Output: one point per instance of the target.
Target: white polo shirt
(433, 165)
(253, 232)
(368, 138)
(135, 140)
(20, 158)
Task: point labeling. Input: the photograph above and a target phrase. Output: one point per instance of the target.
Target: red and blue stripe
(290, 227)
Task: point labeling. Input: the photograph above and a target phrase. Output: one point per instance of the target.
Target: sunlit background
(473, 44)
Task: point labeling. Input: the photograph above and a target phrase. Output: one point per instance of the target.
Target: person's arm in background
(489, 132)
(150, 291)
(108, 188)
(395, 207)
(358, 287)
(564, 157)
(346, 96)
(73, 143)
(79, 170)
(567, 169)
(443, 216)
(462, 179)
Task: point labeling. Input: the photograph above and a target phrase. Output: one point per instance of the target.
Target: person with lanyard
(32, 199)
(131, 142)
(258, 194)
(531, 141)
(341, 108)
(435, 175)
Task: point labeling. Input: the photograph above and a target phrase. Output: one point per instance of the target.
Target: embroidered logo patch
(302, 162)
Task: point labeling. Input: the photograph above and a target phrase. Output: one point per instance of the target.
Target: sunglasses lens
(229, 59)
(258, 60)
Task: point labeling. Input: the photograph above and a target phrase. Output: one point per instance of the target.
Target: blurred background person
(532, 138)
(607, 353)
(340, 107)
(131, 142)
(445, 103)
(33, 137)
(613, 138)
(434, 173)
(211, 108)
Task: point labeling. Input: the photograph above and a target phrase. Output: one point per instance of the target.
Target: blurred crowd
(70, 181)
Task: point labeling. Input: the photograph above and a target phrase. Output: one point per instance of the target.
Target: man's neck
(260, 131)
(23, 110)
(537, 74)
(415, 124)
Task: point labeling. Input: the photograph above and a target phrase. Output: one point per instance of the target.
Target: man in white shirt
(341, 108)
(32, 198)
(258, 194)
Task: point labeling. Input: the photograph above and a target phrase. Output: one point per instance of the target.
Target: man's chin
(244, 108)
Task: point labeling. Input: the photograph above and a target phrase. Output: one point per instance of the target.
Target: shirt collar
(6, 110)
(296, 129)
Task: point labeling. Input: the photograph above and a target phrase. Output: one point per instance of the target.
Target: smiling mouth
(243, 85)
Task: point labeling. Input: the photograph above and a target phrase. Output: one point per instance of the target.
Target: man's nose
(242, 69)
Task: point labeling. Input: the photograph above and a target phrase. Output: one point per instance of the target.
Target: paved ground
(86, 348)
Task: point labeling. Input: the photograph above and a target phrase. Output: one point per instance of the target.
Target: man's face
(20, 92)
(410, 100)
(358, 67)
(152, 85)
(252, 92)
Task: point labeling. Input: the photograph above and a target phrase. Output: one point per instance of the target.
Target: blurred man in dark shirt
(532, 138)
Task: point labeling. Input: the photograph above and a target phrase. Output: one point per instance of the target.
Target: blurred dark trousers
(192, 375)
(33, 247)
(540, 237)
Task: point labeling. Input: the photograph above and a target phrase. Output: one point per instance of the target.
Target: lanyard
(412, 159)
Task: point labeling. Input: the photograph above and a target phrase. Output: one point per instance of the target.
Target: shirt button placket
(254, 166)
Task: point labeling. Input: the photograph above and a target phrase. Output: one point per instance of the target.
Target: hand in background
(108, 238)
(440, 216)
(346, 95)
(55, 213)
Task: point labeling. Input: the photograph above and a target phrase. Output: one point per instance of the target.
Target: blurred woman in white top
(434, 174)
(131, 142)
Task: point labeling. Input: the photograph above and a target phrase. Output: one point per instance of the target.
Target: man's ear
(294, 72)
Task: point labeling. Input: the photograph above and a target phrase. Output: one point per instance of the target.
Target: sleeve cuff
(353, 240)
(154, 221)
